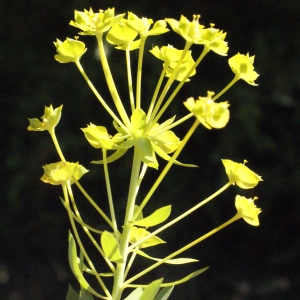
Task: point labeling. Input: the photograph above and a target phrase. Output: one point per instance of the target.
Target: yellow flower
(247, 210)
(142, 25)
(92, 23)
(50, 119)
(60, 172)
(213, 39)
(241, 175)
(169, 54)
(123, 37)
(242, 66)
(69, 50)
(209, 113)
(190, 31)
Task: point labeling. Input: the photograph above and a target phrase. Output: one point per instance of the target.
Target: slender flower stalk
(179, 86)
(182, 216)
(107, 108)
(110, 81)
(139, 71)
(188, 246)
(129, 78)
(166, 169)
(82, 249)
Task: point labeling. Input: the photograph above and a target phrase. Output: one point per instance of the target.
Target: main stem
(119, 277)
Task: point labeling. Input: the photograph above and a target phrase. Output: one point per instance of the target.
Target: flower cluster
(209, 113)
(142, 130)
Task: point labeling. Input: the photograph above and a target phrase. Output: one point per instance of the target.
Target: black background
(245, 262)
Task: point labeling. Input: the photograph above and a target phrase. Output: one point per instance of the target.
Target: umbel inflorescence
(144, 132)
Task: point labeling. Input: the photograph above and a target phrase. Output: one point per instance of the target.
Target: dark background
(245, 262)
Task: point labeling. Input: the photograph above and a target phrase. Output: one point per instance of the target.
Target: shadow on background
(245, 262)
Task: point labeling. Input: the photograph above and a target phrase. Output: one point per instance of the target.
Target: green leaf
(119, 153)
(166, 157)
(138, 233)
(165, 293)
(146, 152)
(110, 247)
(85, 295)
(140, 215)
(136, 294)
(119, 129)
(138, 121)
(159, 216)
(190, 276)
(72, 253)
(151, 290)
(72, 295)
(175, 261)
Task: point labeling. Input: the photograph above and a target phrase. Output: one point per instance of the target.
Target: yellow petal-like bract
(247, 209)
(209, 113)
(242, 66)
(240, 175)
(60, 172)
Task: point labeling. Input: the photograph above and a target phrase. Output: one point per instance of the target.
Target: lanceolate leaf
(85, 295)
(166, 157)
(174, 261)
(119, 153)
(190, 276)
(72, 295)
(136, 294)
(74, 265)
(110, 247)
(151, 290)
(156, 218)
(165, 293)
(140, 215)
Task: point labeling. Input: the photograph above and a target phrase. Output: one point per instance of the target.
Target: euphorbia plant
(143, 131)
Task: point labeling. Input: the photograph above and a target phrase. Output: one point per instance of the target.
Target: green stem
(109, 194)
(227, 87)
(124, 240)
(81, 247)
(139, 71)
(98, 209)
(133, 255)
(188, 212)
(86, 230)
(98, 96)
(183, 119)
(166, 169)
(188, 246)
(179, 86)
(56, 144)
(110, 82)
(158, 86)
(129, 78)
(170, 81)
